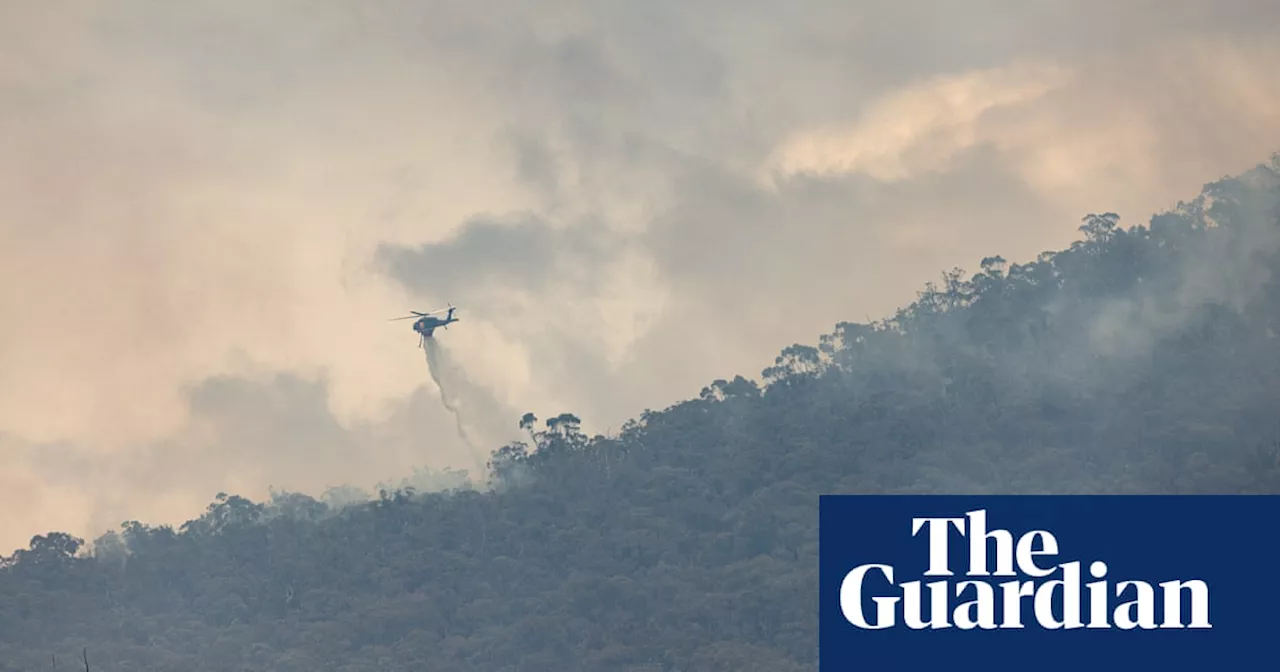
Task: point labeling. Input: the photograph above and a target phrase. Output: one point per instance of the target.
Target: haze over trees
(1140, 359)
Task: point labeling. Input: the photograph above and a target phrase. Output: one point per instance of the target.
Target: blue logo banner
(1047, 582)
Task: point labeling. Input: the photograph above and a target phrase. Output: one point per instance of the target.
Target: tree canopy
(1138, 360)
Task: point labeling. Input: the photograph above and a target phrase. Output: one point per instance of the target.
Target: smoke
(1228, 270)
(631, 147)
(477, 414)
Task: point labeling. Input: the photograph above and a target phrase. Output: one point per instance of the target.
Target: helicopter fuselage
(427, 325)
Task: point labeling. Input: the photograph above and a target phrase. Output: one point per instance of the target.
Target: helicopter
(427, 323)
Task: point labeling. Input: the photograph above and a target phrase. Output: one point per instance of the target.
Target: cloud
(209, 191)
(573, 295)
(489, 252)
(244, 434)
(919, 128)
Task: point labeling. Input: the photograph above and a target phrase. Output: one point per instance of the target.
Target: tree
(690, 540)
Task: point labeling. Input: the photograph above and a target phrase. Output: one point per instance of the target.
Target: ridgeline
(1138, 360)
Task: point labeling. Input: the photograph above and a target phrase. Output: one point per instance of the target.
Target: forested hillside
(1141, 359)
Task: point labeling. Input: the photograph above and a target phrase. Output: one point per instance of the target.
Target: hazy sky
(210, 209)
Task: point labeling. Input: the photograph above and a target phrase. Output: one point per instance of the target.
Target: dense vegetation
(1140, 359)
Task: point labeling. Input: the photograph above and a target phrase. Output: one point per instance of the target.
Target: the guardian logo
(1009, 581)
(1054, 583)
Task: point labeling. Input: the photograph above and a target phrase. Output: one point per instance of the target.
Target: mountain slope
(1137, 360)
